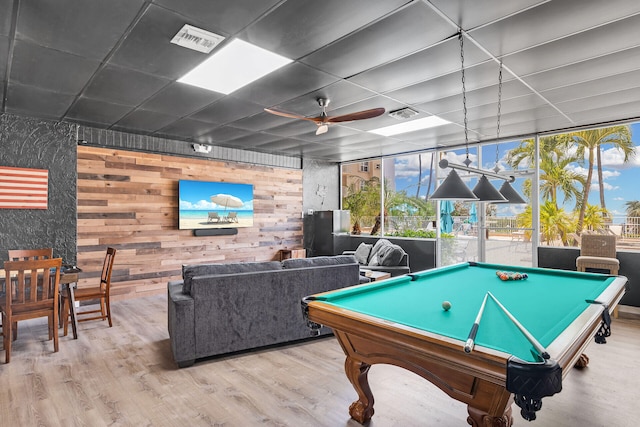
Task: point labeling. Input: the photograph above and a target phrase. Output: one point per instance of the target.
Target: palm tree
(555, 175)
(594, 218)
(633, 208)
(361, 201)
(589, 144)
(554, 222)
(553, 165)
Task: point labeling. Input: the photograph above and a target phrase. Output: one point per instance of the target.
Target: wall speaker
(215, 232)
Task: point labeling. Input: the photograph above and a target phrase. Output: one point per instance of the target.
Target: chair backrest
(598, 245)
(34, 287)
(213, 215)
(107, 266)
(30, 254)
(232, 215)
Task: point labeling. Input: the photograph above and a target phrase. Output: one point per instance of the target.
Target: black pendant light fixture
(453, 188)
(485, 192)
(510, 194)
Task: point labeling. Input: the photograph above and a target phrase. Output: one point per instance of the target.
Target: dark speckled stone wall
(39, 144)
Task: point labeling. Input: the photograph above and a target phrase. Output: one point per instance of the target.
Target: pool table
(401, 321)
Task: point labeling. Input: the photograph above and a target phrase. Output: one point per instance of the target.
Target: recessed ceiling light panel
(196, 39)
(233, 66)
(413, 125)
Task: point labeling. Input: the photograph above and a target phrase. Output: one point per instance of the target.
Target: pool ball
(446, 305)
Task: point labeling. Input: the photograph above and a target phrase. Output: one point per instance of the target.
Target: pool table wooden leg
(478, 418)
(362, 409)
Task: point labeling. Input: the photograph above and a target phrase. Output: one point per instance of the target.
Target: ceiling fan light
(453, 188)
(510, 194)
(322, 129)
(487, 192)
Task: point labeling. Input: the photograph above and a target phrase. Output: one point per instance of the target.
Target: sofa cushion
(362, 253)
(317, 261)
(191, 271)
(390, 255)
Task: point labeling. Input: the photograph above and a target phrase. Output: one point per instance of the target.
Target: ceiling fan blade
(361, 115)
(290, 115)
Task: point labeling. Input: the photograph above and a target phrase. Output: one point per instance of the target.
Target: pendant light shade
(510, 194)
(453, 188)
(487, 192)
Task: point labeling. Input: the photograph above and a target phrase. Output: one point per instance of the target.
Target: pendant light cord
(464, 99)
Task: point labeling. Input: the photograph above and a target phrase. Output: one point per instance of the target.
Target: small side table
(374, 276)
(291, 253)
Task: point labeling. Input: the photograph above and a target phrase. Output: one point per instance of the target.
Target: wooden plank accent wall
(129, 200)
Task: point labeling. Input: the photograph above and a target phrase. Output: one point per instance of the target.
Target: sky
(620, 181)
(196, 195)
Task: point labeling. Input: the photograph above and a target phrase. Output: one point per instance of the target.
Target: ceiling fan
(323, 120)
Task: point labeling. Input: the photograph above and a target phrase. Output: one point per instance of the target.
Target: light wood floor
(125, 376)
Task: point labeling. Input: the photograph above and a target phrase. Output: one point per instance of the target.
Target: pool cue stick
(474, 329)
(539, 348)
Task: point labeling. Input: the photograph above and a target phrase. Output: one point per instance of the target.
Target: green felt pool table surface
(545, 303)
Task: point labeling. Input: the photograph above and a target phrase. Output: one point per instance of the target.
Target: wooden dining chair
(25, 255)
(31, 291)
(100, 292)
(30, 254)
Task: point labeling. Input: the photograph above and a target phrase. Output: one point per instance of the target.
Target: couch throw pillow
(390, 255)
(362, 253)
(374, 259)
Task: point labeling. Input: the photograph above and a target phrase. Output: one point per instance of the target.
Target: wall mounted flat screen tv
(207, 204)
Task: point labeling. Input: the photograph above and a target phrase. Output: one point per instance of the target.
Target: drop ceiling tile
(340, 94)
(297, 28)
(584, 71)
(6, 6)
(148, 46)
(4, 52)
(472, 14)
(395, 36)
(179, 99)
(624, 34)
(229, 16)
(186, 128)
(253, 140)
(223, 134)
(123, 86)
(36, 102)
(101, 113)
(436, 61)
(144, 120)
(550, 21)
(44, 68)
(602, 86)
(226, 110)
(261, 121)
(477, 77)
(600, 101)
(288, 82)
(85, 28)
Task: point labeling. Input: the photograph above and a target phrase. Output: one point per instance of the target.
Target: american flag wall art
(22, 188)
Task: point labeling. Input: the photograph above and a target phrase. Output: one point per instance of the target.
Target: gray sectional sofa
(223, 308)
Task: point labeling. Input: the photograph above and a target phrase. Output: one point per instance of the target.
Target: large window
(585, 181)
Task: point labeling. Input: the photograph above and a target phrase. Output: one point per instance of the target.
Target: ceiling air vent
(403, 113)
(196, 39)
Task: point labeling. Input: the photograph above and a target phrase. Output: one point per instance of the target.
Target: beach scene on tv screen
(205, 204)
